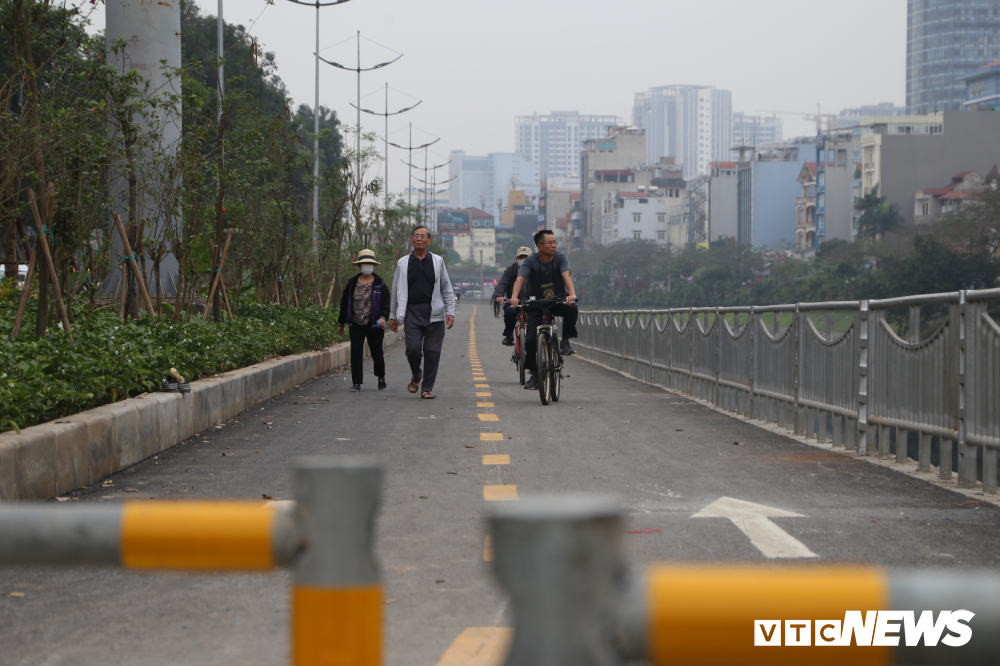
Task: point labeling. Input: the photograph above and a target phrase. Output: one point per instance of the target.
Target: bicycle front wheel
(521, 354)
(544, 367)
(555, 372)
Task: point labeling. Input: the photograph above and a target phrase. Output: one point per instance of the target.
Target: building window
(661, 218)
(637, 235)
(661, 235)
(637, 218)
(925, 209)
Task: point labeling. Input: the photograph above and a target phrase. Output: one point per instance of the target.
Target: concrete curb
(53, 458)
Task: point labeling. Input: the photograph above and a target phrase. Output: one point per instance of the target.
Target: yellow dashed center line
(500, 493)
(491, 493)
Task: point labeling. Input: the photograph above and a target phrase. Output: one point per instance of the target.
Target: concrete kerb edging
(908, 468)
(53, 458)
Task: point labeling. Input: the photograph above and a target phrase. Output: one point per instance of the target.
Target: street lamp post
(386, 137)
(434, 192)
(359, 69)
(410, 148)
(315, 206)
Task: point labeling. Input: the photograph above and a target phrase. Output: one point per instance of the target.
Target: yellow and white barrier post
(337, 591)
(558, 559)
(703, 615)
(325, 535)
(184, 536)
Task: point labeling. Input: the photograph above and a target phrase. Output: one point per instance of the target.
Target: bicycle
(520, 333)
(549, 362)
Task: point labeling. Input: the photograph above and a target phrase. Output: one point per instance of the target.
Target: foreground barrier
(326, 537)
(559, 560)
(835, 371)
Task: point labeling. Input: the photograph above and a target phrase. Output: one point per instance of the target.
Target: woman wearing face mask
(502, 293)
(364, 307)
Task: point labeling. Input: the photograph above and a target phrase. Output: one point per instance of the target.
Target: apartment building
(692, 124)
(552, 142)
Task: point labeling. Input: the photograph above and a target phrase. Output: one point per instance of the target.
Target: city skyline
(471, 67)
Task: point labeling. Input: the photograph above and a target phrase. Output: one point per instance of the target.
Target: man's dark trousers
(358, 336)
(568, 313)
(509, 319)
(423, 342)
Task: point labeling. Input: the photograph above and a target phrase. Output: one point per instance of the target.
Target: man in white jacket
(424, 302)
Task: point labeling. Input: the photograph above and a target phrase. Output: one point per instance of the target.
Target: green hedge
(45, 378)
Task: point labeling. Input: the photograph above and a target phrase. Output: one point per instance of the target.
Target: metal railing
(932, 397)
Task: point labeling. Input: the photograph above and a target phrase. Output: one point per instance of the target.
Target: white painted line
(752, 520)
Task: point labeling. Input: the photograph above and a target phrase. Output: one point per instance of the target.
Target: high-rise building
(852, 117)
(481, 181)
(755, 130)
(946, 39)
(692, 124)
(553, 142)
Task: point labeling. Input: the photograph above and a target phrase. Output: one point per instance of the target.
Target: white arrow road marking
(752, 519)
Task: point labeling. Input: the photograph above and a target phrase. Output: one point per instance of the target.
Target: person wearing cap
(423, 300)
(364, 307)
(505, 286)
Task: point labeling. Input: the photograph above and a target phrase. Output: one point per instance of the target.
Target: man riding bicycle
(547, 275)
(505, 287)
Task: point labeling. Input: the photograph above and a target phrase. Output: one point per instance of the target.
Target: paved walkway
(484, 439)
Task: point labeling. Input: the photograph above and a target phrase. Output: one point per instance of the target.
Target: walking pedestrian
(364, 307)
(424, 302)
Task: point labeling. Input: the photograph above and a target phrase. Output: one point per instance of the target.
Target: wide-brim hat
(524, 251)
(365, 257)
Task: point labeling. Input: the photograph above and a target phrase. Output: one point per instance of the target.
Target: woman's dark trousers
(358, 336)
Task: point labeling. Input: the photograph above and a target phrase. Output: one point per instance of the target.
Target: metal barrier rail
(856, 383)
(560, 561)
(325, 537)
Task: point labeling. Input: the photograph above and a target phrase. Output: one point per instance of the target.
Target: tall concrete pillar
(152, 32)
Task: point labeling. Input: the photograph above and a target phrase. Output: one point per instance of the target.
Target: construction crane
(819, 117)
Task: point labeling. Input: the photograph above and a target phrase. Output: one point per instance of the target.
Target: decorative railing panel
(932, 396)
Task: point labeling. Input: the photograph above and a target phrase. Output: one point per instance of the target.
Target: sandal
(414, 385)
(427, 395)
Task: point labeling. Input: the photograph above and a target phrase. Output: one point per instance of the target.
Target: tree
(878, 216)
(515, 242)
(976, 225)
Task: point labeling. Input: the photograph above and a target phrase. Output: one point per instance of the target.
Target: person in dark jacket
(503, 291)
(364, 307)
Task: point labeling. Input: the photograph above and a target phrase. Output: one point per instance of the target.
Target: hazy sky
(478, 64)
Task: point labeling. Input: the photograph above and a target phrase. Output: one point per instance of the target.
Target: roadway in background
(666, 457)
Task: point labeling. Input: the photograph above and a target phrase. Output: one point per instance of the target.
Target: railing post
(691, 327)
(752, 323)
(718, 356)
(558, 558)
(798, 423)
(967, 454)
(336, 613)
(862, 370)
